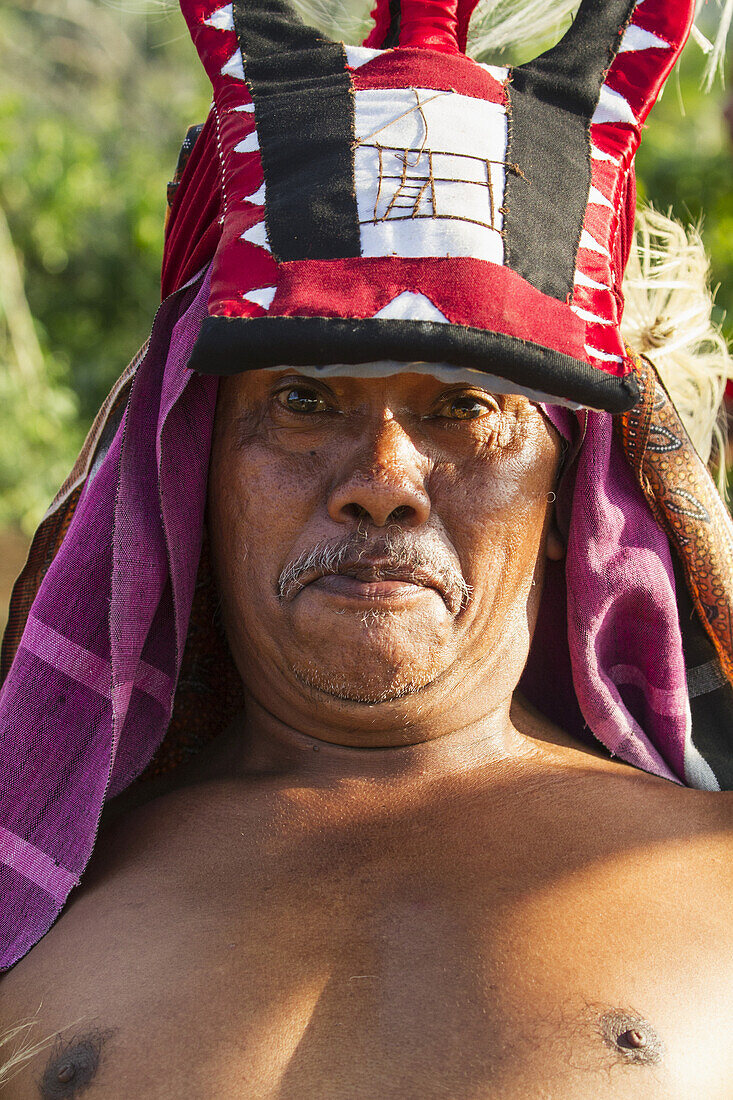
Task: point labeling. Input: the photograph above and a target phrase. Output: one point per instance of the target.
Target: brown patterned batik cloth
(685, 502)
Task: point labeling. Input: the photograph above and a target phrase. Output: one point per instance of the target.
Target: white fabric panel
(599, 199)
(586, 315)
(257, 235)
(222, 19)
(410, 306)
(257, 197)
(249, 144)
(612, 107)
(586, 241)
(356, 56)
(443, 168)
(423, 238)
(248, 107)
(498, 72)
(581, 279)
(262, 296)
(598, 154)
(602, 356)
(234, 66)
(635, 38)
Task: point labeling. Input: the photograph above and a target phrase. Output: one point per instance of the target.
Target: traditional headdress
(400, 201)
(112, 666)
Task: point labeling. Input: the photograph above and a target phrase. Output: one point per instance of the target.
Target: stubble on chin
(368, 688)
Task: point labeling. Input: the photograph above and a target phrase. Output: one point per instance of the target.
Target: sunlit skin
(390, 879)
(297, 462)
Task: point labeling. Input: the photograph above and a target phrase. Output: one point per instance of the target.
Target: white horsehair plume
(715, 49)
(512, 26)
(668, 318)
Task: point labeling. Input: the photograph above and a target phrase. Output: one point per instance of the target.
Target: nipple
(65, 1073)
(631, 1037)
(72, 1067)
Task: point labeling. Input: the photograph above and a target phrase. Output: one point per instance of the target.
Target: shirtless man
(391, 880)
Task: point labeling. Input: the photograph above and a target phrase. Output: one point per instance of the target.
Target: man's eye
(301, 399)
(466, 408)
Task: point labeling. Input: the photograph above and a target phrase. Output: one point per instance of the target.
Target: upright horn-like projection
(400, 201)
(577, 113)
(427, 24)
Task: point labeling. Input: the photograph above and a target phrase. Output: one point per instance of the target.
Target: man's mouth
(393, 572)
(376, 581)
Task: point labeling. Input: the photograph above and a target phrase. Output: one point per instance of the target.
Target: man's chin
(370, 657)
(365, 690)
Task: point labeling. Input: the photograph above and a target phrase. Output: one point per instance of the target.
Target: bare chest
(383, 961)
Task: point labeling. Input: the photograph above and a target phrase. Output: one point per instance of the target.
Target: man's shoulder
(594, 771)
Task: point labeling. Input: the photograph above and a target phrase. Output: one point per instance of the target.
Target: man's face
(378, 542)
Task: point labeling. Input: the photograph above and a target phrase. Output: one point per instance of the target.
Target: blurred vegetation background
(94, 103)
(95, 99)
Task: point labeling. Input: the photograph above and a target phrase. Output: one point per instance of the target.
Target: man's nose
(384, 483)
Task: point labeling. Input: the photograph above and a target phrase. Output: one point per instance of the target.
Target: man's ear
(554, 543)
(554, 547)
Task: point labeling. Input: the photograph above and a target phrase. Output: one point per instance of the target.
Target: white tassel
(716, 57)
(667, 317)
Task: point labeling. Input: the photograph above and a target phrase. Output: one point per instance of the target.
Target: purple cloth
(89, 695)
(616, 667)
(90, 692)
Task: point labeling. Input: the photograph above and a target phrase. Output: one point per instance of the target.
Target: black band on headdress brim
(231, 345)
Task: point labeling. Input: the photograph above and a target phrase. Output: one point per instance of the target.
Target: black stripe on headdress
(304, 108)
(552, 101)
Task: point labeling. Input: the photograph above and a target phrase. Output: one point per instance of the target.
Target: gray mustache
(426, 559)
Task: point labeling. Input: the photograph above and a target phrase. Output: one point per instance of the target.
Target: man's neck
(260, 743)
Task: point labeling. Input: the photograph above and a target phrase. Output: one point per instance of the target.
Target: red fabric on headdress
(430, 25)
(440, 25)
(194, 224)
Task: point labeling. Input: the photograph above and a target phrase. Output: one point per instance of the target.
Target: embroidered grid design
(419, 188)
(430, 171)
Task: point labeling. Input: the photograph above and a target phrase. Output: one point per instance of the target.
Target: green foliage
(685, 162)
(84, 175)
(40, 434)
(94, 103)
